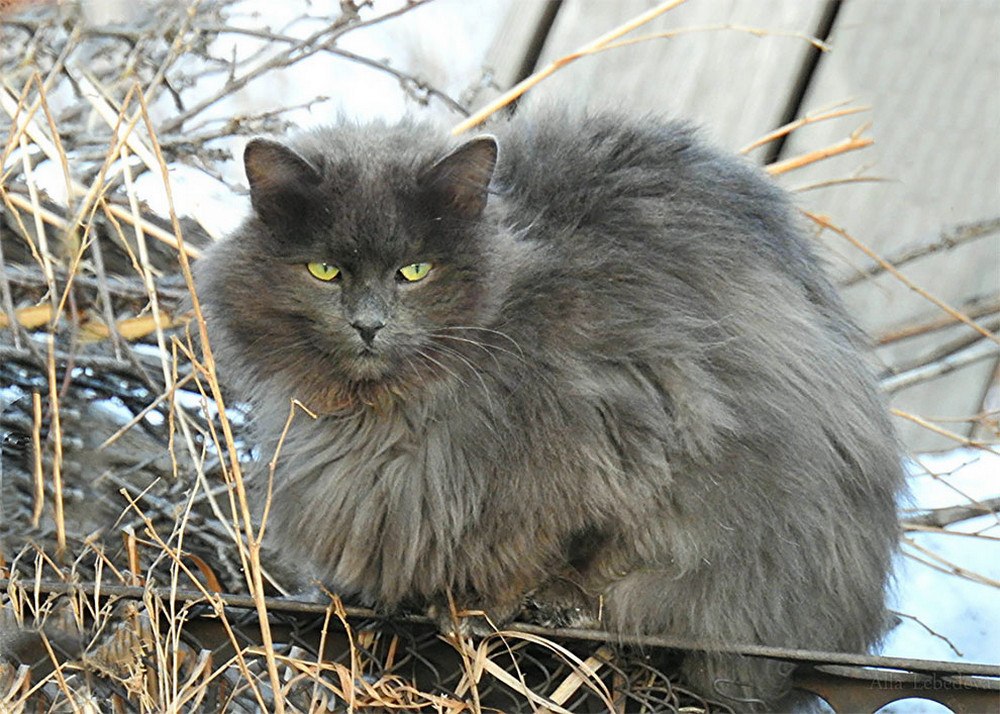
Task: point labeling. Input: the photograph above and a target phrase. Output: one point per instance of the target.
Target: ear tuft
(460, 180)
(281, 179)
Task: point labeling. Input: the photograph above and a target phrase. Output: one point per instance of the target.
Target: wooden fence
(925, 194)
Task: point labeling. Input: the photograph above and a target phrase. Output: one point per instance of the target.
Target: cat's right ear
(282, 181)
(460, 181)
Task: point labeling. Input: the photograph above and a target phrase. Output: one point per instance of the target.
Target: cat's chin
(371, 379)
(347, 396)
(370, 366)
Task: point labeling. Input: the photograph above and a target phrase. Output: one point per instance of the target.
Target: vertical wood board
(929, 68)
(931, 72)
(508, 57)
(734, 84)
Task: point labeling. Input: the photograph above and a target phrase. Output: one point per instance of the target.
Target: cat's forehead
(369, 218)
(375, 152)
(370, 177)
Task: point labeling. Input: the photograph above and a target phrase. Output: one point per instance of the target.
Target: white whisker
(488, 330)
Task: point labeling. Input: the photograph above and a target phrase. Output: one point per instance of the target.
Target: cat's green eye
(323, 271)
(415, 271)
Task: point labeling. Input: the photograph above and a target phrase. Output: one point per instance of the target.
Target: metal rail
(848, 682)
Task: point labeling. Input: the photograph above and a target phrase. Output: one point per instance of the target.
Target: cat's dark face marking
(371, 269)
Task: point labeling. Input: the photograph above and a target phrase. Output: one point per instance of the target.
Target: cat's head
(362, 265)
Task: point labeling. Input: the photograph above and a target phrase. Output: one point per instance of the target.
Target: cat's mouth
(370, 363)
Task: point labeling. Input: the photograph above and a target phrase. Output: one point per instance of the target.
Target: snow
(194, 193)
(946, 616)
(966, 612)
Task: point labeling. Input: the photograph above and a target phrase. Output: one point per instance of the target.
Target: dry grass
(125, 523)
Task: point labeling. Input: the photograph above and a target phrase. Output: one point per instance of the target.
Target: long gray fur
(627, 380)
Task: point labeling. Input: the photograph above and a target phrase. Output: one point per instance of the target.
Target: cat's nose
(367, 313)
(368, 327)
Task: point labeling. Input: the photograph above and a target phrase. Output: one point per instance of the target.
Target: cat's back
(570, 170)
(637, 224)
(627, 178)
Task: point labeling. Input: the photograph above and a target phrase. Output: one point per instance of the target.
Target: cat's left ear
(460, 180)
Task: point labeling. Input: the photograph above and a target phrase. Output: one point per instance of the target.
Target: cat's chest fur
(374, 496)
(438, 490)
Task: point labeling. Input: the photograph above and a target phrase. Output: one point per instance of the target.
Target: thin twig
(824, 222)
(939, 365)
(958, 438)
(942, 517)
(950, 238)
(951, 567)
(852, 143)
(847, 180)
(810, 118)
(521, 87)
(976, 308)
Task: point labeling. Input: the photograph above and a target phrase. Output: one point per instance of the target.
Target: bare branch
(316, 42)
(950, 238)
(943, 517)
(977, 308)
(948, 359)
(824, 222)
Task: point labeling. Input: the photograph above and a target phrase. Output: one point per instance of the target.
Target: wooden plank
(733, 83)
(931, 76)
(511, 56)
(930, 70)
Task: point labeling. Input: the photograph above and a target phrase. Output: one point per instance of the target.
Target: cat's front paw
(469, 622)
(557, 615)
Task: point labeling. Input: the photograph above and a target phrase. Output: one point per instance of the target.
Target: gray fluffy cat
(586, 358)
